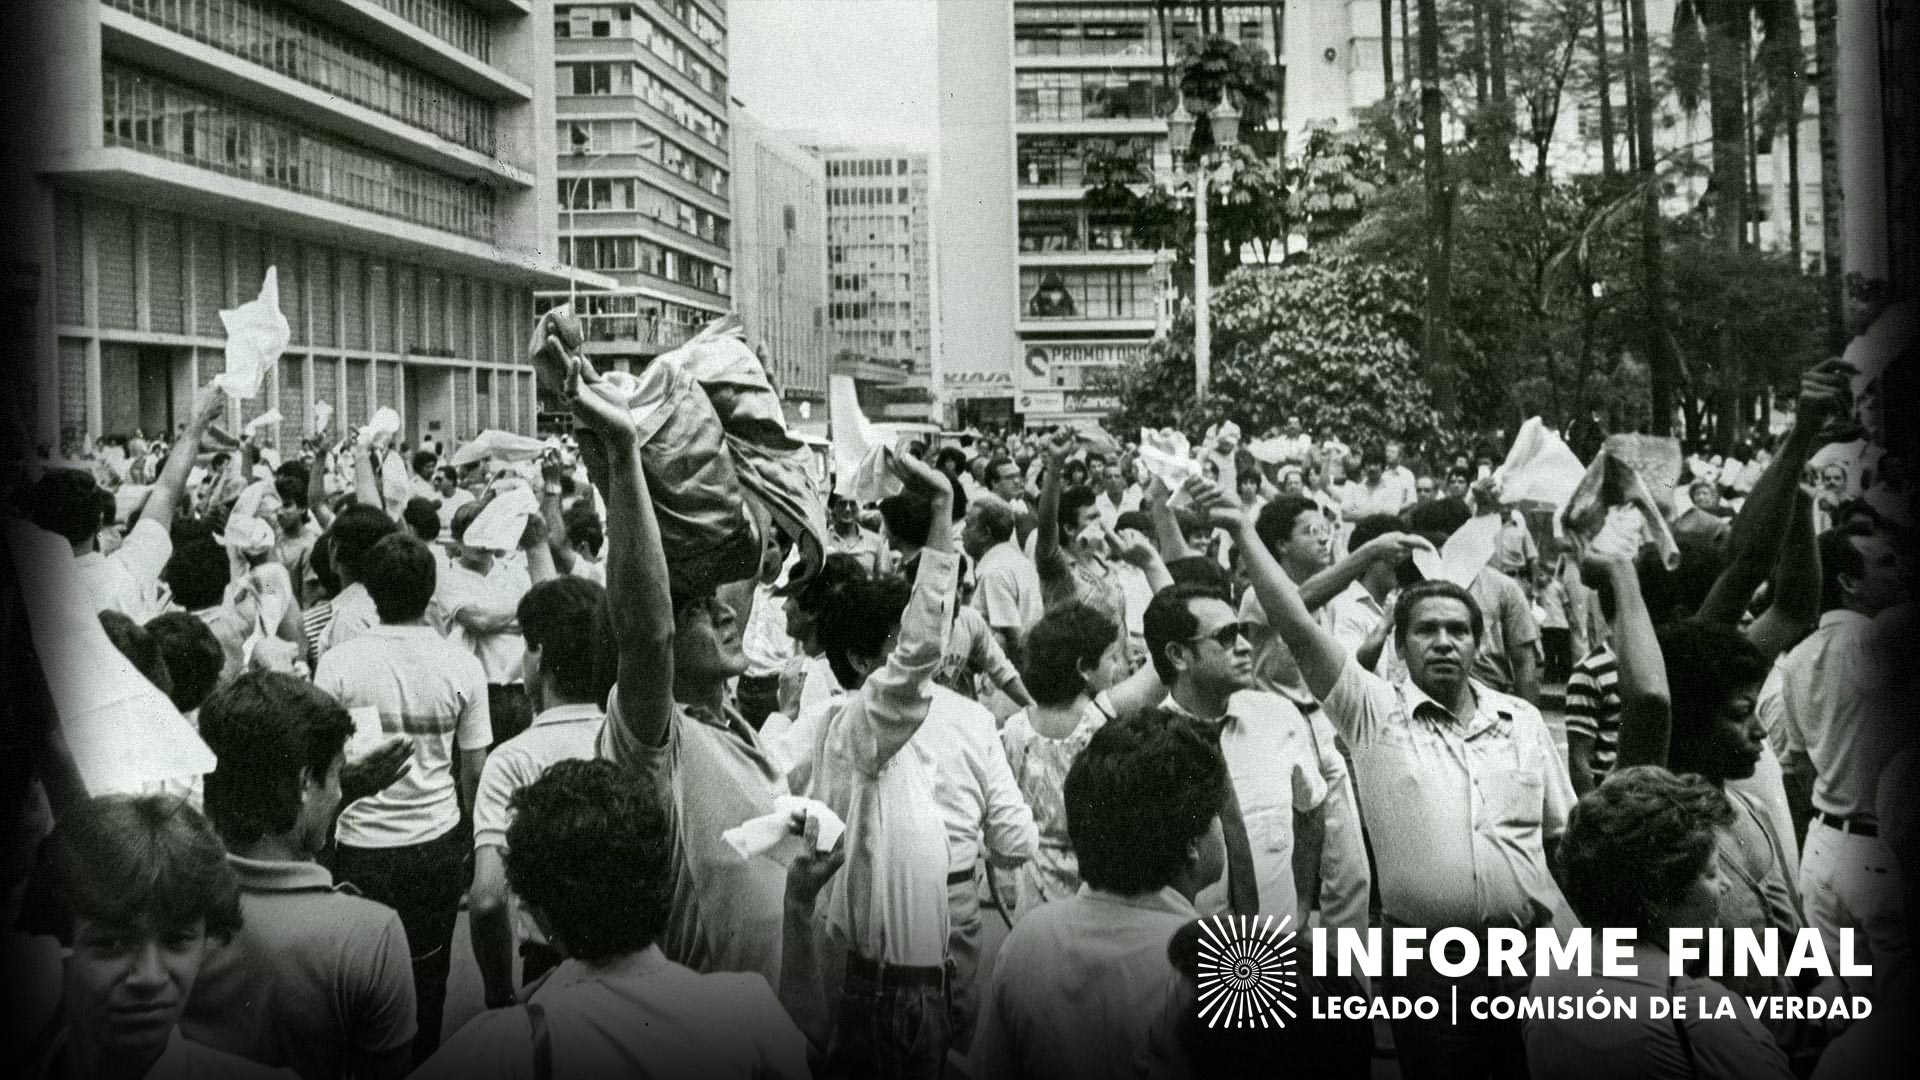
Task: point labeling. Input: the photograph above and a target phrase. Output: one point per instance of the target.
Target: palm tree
(1439, 313)
(1602, 75)
(1826, 81)
(1662, 369)
(1728, 27)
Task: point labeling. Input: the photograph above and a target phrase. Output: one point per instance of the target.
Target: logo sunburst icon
(1247, 971)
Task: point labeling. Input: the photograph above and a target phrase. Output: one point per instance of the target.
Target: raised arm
(893, 700)
(638, 596)
(163, 502)
(1646, 709)
(1320, 657)
(1320, 589)
(559, 548)
(317, 488)
(1796, 586)
(1046, 547)
(1753, 544)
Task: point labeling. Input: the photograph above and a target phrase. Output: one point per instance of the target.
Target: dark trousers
(512, 712)
(893, 1022)
(758, 696)
(1474, 1049)
(423, 884)
(1557, 641)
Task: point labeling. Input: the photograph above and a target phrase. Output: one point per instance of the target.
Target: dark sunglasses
(1226, 637)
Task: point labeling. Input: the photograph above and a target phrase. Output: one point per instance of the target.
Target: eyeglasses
(1226, 637)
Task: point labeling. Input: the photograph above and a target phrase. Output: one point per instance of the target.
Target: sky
(845, 70)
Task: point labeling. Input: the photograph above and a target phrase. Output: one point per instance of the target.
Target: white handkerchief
(772, 836)
(271, 416)
(257, 333)
(873, 479)
(322, 415)
(500, 525)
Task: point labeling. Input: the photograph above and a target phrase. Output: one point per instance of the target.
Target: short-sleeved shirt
(728, 913)
(128, 581)
(973, 783)
(1091, 580)
(353, 615)
(1008, 589)
(1510, 627)
(1274, 765)
(562, 733)
(1818, 701)
(315, 977)
(458, 588)
(1593, 707)
(1459, 809)
(972, 649)
(431, 691)
(642, 1015)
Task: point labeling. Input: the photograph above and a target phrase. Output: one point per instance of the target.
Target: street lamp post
(1224, 121)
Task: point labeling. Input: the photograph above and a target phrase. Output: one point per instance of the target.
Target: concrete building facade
(880, 267)
(1042, 298)
(645, 171)
(780, 261)
(392, 159)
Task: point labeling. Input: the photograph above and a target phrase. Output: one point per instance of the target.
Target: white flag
(257, 333)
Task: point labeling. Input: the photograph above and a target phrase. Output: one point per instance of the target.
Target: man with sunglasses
(1202, 655)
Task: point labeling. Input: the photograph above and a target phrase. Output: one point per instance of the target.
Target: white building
(780, 259)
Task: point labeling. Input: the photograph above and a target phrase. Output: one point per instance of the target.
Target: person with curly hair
(589, 855)
(1081, 982)
(1640, 852)
(137, 890)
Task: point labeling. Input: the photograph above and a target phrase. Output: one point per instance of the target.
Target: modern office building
(391, 159)
(1050, 296)
(645, 169)
(880, 266)
(780, 263)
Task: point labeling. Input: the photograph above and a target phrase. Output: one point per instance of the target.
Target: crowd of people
(758, 828)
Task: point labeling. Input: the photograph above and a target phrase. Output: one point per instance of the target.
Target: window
(1120, 293)
(1060, 160)
(588, 79)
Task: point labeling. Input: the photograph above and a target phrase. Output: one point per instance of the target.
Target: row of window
(1062, 160)
(837, 254)
(634, 253)
(281, 39)
(210, 132)
(637, 196)
(1113, 30)
(619, 78)
(1046, 227)
(449, 20)
(631, 137)
(572, 21)
(864, 309)
(641, 319)
(1122, 293)
(873, 282)
(173, 273)
(866, 196)
(868, 167)
(1090, 95)
(698, 21)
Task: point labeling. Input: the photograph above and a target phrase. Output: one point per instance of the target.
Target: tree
(1728, 27)
(1333, 181)
(1330, 338)
(1826, 81)
(1657, 346)
(1602, 76)
(1439, 209)
(1748, 323)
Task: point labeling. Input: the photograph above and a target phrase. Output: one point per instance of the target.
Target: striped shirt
(1593, 707)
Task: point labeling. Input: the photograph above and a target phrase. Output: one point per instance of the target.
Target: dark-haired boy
(317, 979)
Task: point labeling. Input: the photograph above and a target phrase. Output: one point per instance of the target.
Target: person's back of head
(400, 577)
(588, 855)
(356, 529)
(1073, 501)
(1636, 845)
(70, 504)
(1437, 520)
(279, 740)
(1138, 520)
(198, 573)
(463, 520)
(585, 532)
(423, 519)
(139, 647)
(994, 517)
(1141, 798)
(1371, 528)
(1201, 572)
(855, 628)
(193, 656)
(1063, 653)
(908, 517)
(1843, 565)
(569, 636)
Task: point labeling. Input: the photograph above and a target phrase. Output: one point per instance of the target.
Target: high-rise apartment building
(645, 169)
(780, 257)
(879, 266)
(1043, 298)
(392, 159)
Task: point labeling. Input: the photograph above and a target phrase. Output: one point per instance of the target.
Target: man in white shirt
(1118, 494)
(1081, 983)
(450, 495)
(73, 505)
(1835, 736)
(1295, 445)
(889, 907)
(406, 847)
(1361, 616)
(1007, 587)
(564, 622)
(475, 605)
(1398, 477)
(846, 536)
